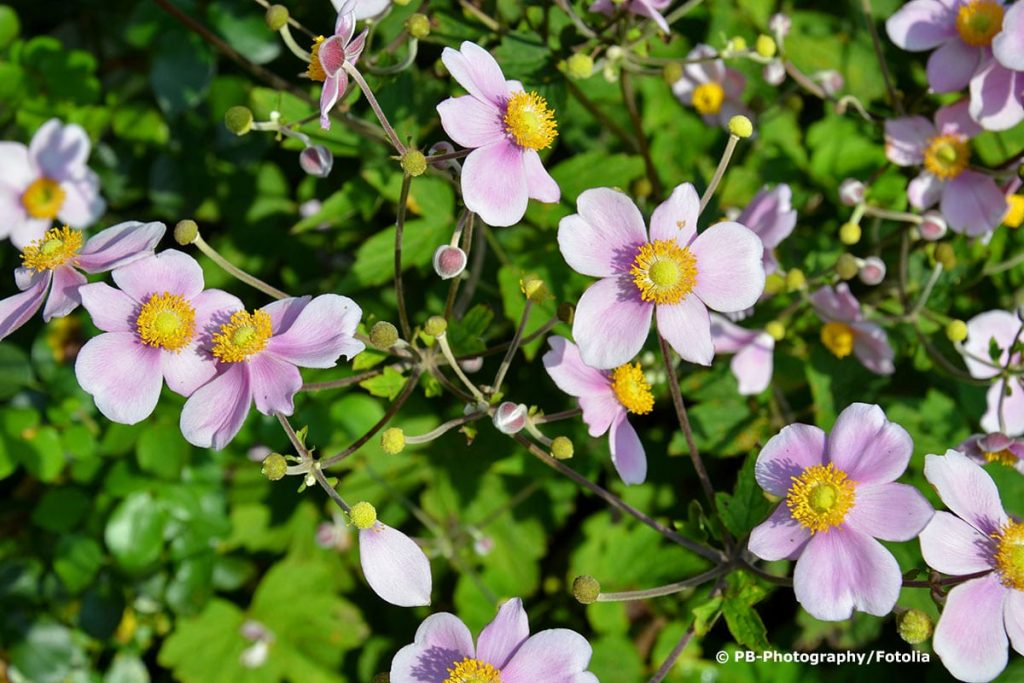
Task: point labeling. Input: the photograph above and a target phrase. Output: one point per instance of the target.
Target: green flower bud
(737, 44)
(795, 280)
(849, 234)
(414, 163)
(186, 232)
(846, 266)
(363, 515)
(392, 441)
(765, 46)
(945, 255)
(956, 331)
(435, 326)
(776, 330)
(672, 72)
(276, 17)
(741, 127)
(534, 289)
(238, 120)
(383, 335)
(586, 589)
(274, 467)
(914, 626)
(561, 448)
(580, 66)
(774, 283)
(642, 187)
(418, 25)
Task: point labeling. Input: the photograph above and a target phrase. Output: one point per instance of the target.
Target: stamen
(43, 198)
(1010, 555)
(472, 671)
(979, 21)
(55, 248)
(632, 389)
(838, 338)
(947, 156)
(664, 272)
(166, 321)
(708, 98)
(820, 497)
(243, 336)
(530, 121)
(315, 71)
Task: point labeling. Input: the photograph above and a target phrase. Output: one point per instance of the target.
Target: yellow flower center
(315, 71)
(978, 22)
(1010, 555)
(664, 272)
(947, 156)
(1003, 457)
(820, 497)
(167, 321)
(1014, 217)
(632, 390)
(837, 338)
(242, 336)
(529, 121)
(43, 198)
(708, 98)
(55, 248)
(472, 671)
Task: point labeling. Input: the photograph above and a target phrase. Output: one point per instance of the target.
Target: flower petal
(16, 310)
(951, 66)
(1008, 49)
(122, 375)
(329, 94)
(836, 304)
(890, 512)
(274, 384)
(972, 203)
(1013, 614)
(730, 268)
(502, 637)
(925, 190)
(64, 293)
(477, 71)
(752, 366)
(215, 412)
(320, 334)
(119, 245)
(921, 25)
(984, 330)
(686, 326)
(394, 566)
(770, 214)
(169, 271)
(83, 204)
(780, 537)
(17, 170)
(967, 490)
(872, 348)
(539, 183)
(60, 151)
(599, 411)
(970, 638)
(471, 122)
(952, 546)
(494, 183)
(603, 238)
(1011, 406)
(867, 446)
(111, 309)
(786, 455)
(996, 100)
(907, 138)
(441, 641)
(728, 336)
(627, 451)
(676, 218)
(570, 373)
(611, 323)
(550, 656)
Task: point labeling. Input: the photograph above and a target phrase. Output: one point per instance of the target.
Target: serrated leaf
(746, 507)
(387, 385)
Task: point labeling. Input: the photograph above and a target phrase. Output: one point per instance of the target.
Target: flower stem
(442, 341)
(512, 348)
(238, 273)
(361, 82)
(667, 589)
(403, 201)
(719, 172)
(444, 428)
(289, 41)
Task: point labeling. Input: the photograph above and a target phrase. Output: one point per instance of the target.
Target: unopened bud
(418, 25)
(849, 233)
(276, 17)
(253, 630)
(872, 272)
(471, 365)
(510, 418)
(740, 126)
(737, 44)
(534, 289)
(392, 440)
(316, 160)
(914, 626)
(414, 163)
(580, 66)
(186, 232)
(795, 280)
(326, 535)
(238, 120)
(851, 192)
(847, 266)
(933, 226)
(831, 81)
(774, 283)
(274, 467)
(956, 331)
(945, 255)
(766, 46)
(776, 330)
(383, 335)
(449, 261)
(566, 312)
(561, 448)
(586, 589)
(363, 515)
(780, 25)
(774, 72)
(672, 72)
(435, 326)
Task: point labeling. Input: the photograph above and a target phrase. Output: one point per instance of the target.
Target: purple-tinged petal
(441, 641)
(842, 570)
(1000, 327)
(1012, 408)
(728, 336)
(611, 323)
(169, 271)
(475, 70)
(122, 375)
(320, 334)
(700, 69)
(284, 312)
(354, 50)
(752, 366)
(570, 373)
(1013, 614)
(367, 9)
(1008, 45)
(329, 94)
(539, 183)
(12, 212)
(394, 566)
(890, 512)
(627, 451)
(780, 537)
(59, 151)
(644, 9)
(274, 384)
(951, 66)
(686, 326)
(111, 309)
(494, 183)
(332, 53)
(786, 455)
(502, 637)
(733, 84)
(17, 171)
(549, 657)
(25, 277)
(973, 204)
(770, 214)
(970, 638)
(188, 369)
(345, 23)
(599, 412)
(871, 347)
(16, 310)
(730, 270)
(675, 219)
(471, 122)
(119, 245)
(955, 119)
(836, 304)
(967, 490)
(603, 238)
(28, 231)
(868, 447)
(64, 293)
(925, 190)
(215, 412)
(921, 25)
(952, 546)
(996, 99)
(906, 139)
(83, 204)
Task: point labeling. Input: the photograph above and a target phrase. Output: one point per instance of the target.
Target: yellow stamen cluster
(664, 272)
(242, 336)
(708, 98)
(530, 121)
(43, 198)
(978, 22)
(315, 71)
(947, 156)
(166, 321)
(632, 389)
(838, 338)
(55, 248)
(472, 671)
(1010, 555)
(1003, 457)
(1014, 217)
(820, 497)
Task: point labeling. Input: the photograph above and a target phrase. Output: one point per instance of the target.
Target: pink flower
(977, 538)
(971, 202)
(607, 399)
(328, 59)
(994, 447)
(505, 651)
(846, 331)
(155, 326)
(962, 30)
(676, 275)
(752, 364)
(1008, 45)
(711, 88)
(840, 495)
(505, 126)
(53, 263)
(990, 338)
(258, 358)
(45, 181)
(644, 8)
(997, 96)
(363, 9)
(770, 214)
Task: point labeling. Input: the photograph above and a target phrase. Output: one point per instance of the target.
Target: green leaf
(77, 560)
(44, 656)
(596, 169)
(9, 26)
(61, 509)
(746, 507)
(741, 594)
(706, 615)
(15, 370)
(162, 451)
(181, 72)
(135, 531)
(387, 385)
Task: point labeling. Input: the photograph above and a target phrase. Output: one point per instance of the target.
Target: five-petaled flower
(994, 342)
(753, 363)
(846, 331)
(710, 87)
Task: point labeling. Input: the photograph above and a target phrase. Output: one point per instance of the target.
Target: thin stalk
(326, 486)
(894, 100)
(375, 106)
(667, 589)
(444, 428)
(723, 163)
(237, 272)
(555, 417)
(673, 656)
(403, 201)
(289, 41)
(929, 286)
(512, 348)
(629, 97)
(901, 216)
(442, 341)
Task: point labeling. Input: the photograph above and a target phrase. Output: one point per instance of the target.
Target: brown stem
(638, 129)
(403, 200)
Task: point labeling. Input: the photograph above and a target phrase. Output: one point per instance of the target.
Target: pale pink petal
(471, 122)
(64, 293)
(984, 329)
(970, 638)
(122, 375)
(951, 66)
(215, 412)
(687, 328)
(1008, 48)
(59, 151)
(274, 384)
(925, 190)
(599, 411)
(500, 638)
(730, 270)
(921, 25)
(996, 99)
(83, 204)
(17, 171)
(1013, 614)
(728, 336)
(550, 656)
(786, 455)
(345, 23)
(967, 490)
(394, 566)
(770, 215)
(871, 347)
(329, 94)
(188, 369)
(320, 334)
(12, 212)
(111, 309)
(603, 238)
(676, 218)
(570, 373)
(16, 310)
(780, 537)
(169, 271)
(956, 119)
(213, 308)
(354, 50)
(907, 138)
(890, 512)
(539, 183)
(28, 231)
(332, 51)
(836, 304)
(284, 312)
(752, 366)
(476, 71)
(868, 447)
(611, 323)
(627, 451)
(441, 641)
(119, 245)
(366, 9)
(494, 183)
(644, 9)
(1012, 409)
(972, 203)
(952, 546)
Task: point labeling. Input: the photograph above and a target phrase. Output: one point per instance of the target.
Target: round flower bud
(642, 187)
(510, 418)
(414, 163)
(914, 626)
(326, 535)
(774, 283)
(316, 160)
(851, 192)
(776, 330)
(418, 25)
(449, 261)
(392, 440)
(956, 331)
(435, 326)
(795, 280)
(276, 17)
(945, 255)
(580, 66)
(238, 120)
(847, 266)
(383, 335)
(471, 365)
(534, 289)
(566, 312)
(849, 233)
(872, 271)
(831, 81)
(483, 546)
(561, 448)
(274, 467)
(737, 44)
(766, 46)
(615, 53)
(933, 226)
(186, 232)
(363, 515)
(741, 127)
(780, 25)
(774, 72)
(586, 589)
(672, 72)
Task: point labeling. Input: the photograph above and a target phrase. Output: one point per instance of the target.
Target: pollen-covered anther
(947, 156)
(242, 336)
(530, 121)
(820, 497)
(472, 671)
(43, 198)
(978, 22)
(708, 98)
(55, 248)
(1010, 555)
(1003, 457)
(315, 70)
(631, 389)
(664, 272)
(363, 515)
(166, 321)
(838, 338)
